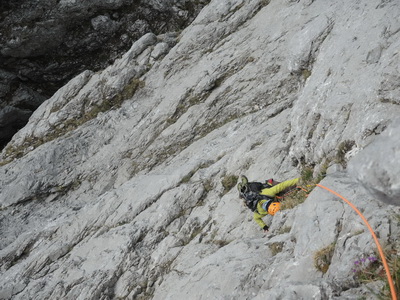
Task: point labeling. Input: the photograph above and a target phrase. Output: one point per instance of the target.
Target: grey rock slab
(376, 166)
(134, 202)
(44, 44)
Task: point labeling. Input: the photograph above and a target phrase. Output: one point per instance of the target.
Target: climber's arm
(258, 218)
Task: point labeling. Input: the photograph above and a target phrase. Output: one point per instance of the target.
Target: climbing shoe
(244, 180)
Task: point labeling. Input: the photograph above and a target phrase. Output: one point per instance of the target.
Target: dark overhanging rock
(43, 44)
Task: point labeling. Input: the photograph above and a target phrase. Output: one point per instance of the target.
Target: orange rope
(385, 264)
(303, 189)
(291, 192)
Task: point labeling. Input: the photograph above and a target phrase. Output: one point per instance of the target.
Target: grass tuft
(307, 184)
(370, 268)
(323, 258)
(228, 182)
(341, 151)
(276, 248)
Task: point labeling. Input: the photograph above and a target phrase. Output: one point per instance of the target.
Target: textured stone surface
(377, 167)
(114, 189)
(45, 43)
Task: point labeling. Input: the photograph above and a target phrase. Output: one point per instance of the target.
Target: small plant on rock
(306, 184)
(306, 174)
(276, 248)
(221, 243)
(342, 149)
(285, 229)
(293, 199)
(228, 182)
(370, 268)
(367, 269)
(323, 258)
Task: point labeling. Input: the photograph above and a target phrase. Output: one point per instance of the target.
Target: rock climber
(261, 197)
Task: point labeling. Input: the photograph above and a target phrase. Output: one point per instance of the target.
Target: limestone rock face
(377, 167)
(121, 185)
(45, 43)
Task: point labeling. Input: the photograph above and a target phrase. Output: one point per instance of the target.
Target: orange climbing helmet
(273, 208)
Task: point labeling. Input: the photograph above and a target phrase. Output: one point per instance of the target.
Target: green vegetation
(212, 238)
(358, 232)
(5, 162)
(183, 107)
(221, 243)
(305, 73)
(187, 177)
(394, 265)
(276, 248)
(388, 100)
(342, 149)
(255, 145)
(293, 199)
(369, 269)
(322, 172)
(323, 258)
(68, 125)
(116, 101)
(228, 182)
(208, 186)
(307, 184)
(285, 229)
(307, 174)
(203, 165)
(265, 2)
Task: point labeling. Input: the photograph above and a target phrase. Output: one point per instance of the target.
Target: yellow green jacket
(271, 192)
